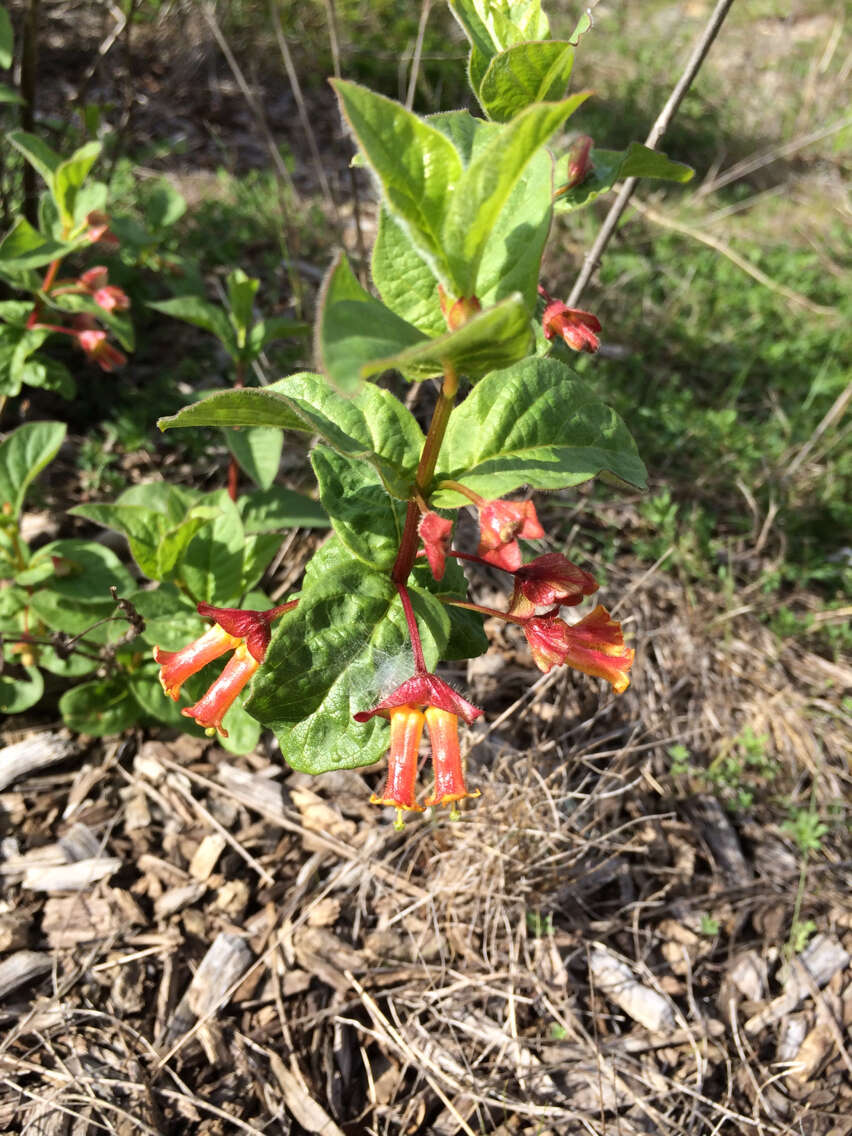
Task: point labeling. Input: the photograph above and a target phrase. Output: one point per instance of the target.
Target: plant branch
(693, 64)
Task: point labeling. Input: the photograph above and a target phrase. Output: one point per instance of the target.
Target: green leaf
(83, 572)
(173, 501)
(258, 451)
(40, 156)
(102, 707)
(367, 520)
(611, 166)
(68, 178)
(7, 39)
(354, 329)
(17, 695)
(336, 653)
(492, 338)
(241, 293)
(197, 311)
(404, 280)
(273, 509)
(531, 72)
(165, 206)
(275, 327)
(533, 424)
(212, 566)
(258, 552)
(171, 621)
(492, 26)
(10, 96)
(243, 730)
(417, 167)
(156, 544)
(24, 247)
(484, 188)
(23, 455)
(373, 426)
(15, 312)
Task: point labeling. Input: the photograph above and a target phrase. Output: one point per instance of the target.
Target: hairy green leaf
(417, 167)
(68, 178)
(102, 707)
(200, 313)
(534, 424)
(258, 451)
(274, 509)
(373, 425)
(531, 72)
(367, 520)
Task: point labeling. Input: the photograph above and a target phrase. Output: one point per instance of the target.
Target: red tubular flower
(177, 666)
(594, 646)
(450, 787)
(406, 730)
(500, 523)
(548, 580)
(577, 328)
(96, 345)
(246, 633)
(444, 707)
(105, 295)
(212, 707)
(435, 532)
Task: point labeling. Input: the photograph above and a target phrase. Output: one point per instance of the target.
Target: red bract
(579, 163)
(548, 580)
(594, 646)
(246, 633)
(458, 312)
(577, 328)
(435, 533)
(500, 523)
(99, 232)
(105, 295)
(423, 690)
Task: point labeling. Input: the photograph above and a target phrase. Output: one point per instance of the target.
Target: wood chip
(748, 974)
(14, 930)
(206, 855)
(70, 877)
(822, 958)
(615, 979)
(72, 919)
(35, 752)
(176, 899)
(228, 958)
(306, 1112)
(22, 967)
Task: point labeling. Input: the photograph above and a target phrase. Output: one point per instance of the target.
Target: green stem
(425, 472)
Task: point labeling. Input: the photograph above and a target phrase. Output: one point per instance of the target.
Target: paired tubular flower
(107, 296)
(246, 633)
(577, 328)
(500, 524)
(96, 345)
(549, 580)
(404, 708)
(435, 532)
(594, 646)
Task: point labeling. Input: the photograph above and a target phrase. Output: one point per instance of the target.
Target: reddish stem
(465, 492)
(413, 629)
(274, 612)
(425, 472)
(485, 610)
(49, 277)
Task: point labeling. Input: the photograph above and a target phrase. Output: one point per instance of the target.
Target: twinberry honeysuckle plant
(466, 206)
